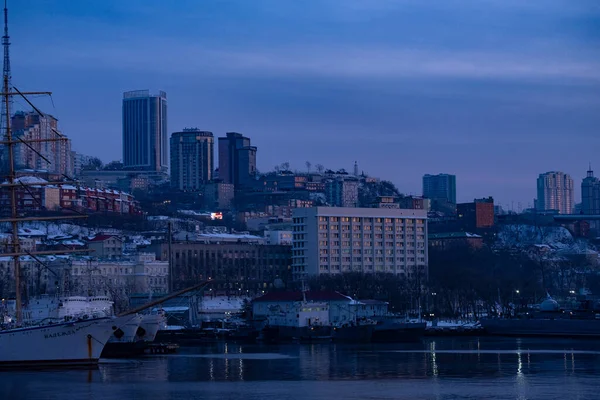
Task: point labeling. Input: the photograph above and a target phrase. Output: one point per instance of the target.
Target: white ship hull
(129, 331)
(150, 326)
(72, 343)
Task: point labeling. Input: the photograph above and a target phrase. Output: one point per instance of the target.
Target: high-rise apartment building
(237, 160)
(334, 240)
(192, 159)
(342, 192)
(53, 156)
(440, 187)
(145, 142)
(555, 192)
(590, 194)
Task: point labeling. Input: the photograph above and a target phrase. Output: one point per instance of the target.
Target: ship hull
(77, 343)
(149, 327)
(353, 334)
(398, 332)
(584, 328)
(125, 342)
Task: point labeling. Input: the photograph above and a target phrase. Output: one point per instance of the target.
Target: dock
(162, 348)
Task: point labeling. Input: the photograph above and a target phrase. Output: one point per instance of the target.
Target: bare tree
(320, 168)
(308, 165)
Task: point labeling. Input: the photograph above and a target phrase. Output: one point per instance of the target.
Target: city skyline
(498, 110)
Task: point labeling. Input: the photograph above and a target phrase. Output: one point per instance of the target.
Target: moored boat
(78, 342)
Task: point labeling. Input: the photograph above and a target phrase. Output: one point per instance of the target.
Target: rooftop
(297, 296)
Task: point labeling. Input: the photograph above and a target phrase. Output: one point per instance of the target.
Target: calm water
(466, 368)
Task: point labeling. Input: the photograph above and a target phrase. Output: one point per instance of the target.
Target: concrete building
(440, 187)
(106, 246)
(218, 195)
(238, 265)
(120, 278)
(450, 240)
(476, 215)
(555, 191)
(145, 141)
(333, 240)
(590, 194)
(54, 157)
(342, 192)
(237, 160)
(192, 159)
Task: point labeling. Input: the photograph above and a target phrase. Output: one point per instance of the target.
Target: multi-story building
(555, 191)
(192, 160)
(239, 264)
(106, 246)
(476, 215)
(333, 240)
(145, 141)
(52, 156)
(590, 194)
(120, 278)
(218, 195)
(342, 192)
(440, 187)
(237, 160)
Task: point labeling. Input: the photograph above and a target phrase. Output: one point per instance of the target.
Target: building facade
(237, 160)
(440, 187)
(555, 191)
(218, 195)
(590, 194)
(342, 192)
(192, 159)
(145, 146)
(54, 156)
(476, 215)
(236, 265)
(333, 240)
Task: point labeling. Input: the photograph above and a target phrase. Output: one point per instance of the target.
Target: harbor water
(436, 368)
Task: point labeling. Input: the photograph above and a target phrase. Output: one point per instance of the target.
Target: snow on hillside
(554, 237)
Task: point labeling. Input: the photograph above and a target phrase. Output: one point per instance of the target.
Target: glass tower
(145, 141)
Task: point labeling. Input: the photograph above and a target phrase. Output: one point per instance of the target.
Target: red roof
(101, 238)
(297, 296)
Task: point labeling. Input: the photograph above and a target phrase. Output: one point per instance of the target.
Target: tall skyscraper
(52, 156)
(440, 187)
(192, 159)
(555, 192)
(237, 160)
(590, 194)
(145, 146)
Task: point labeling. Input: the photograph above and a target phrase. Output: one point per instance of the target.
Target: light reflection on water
(434, 369)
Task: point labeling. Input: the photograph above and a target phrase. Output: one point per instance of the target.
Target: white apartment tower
(334, 240)
(555, 191)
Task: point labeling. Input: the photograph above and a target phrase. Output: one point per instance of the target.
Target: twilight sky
(494, 91)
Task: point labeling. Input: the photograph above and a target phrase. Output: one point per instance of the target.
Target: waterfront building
(145, 146)
(440, 187)
(230, 261)
(555, 191)
(333, 240)
(237, 160)
(106, 246)
(192, 160)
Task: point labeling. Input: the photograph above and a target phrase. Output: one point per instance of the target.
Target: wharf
(162, 348)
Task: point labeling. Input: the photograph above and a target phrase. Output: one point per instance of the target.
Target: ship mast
(12, 184)
(6, 100)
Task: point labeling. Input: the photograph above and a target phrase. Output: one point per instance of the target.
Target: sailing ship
(79, 341)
